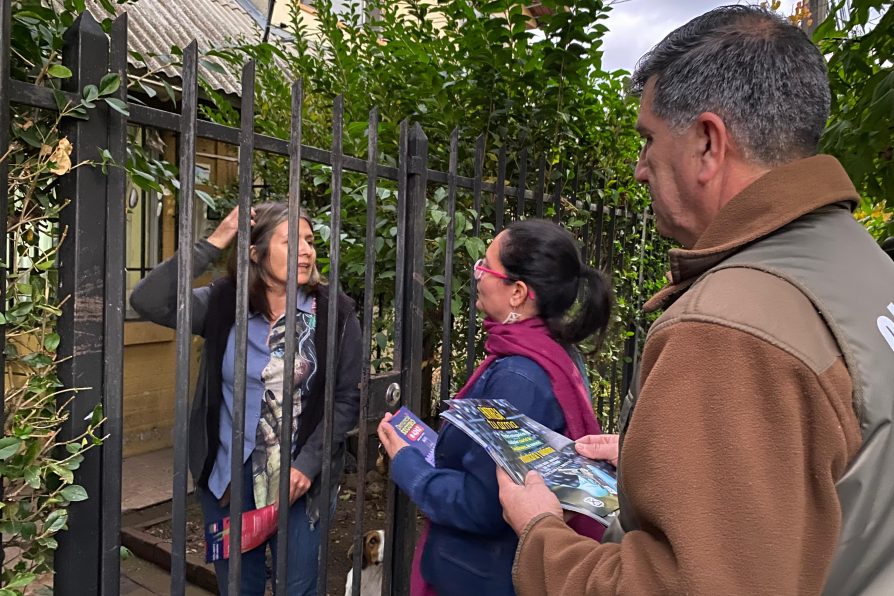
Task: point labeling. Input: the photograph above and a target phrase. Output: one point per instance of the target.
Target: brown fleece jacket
(743, 425)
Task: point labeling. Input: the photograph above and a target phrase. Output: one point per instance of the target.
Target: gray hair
(759, 73)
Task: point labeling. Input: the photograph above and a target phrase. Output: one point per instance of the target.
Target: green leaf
(58, 71)
(74, 493)
(91, 93)
(20, 581)
(51, 342)
(109, 84)
(8, 447)
(117, 105)
(65, 475)
(56, 520)
(148, 90)
(37, 360)
(31, 477)
(213, 67)
(172, 96)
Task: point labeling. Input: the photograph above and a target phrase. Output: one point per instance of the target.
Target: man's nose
(640, 172)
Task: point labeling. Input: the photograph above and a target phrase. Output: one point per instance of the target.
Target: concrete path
(147, 480)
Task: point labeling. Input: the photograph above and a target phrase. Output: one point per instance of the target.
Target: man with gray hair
(756, 445)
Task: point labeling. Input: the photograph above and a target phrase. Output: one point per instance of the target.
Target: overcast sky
(634, 26)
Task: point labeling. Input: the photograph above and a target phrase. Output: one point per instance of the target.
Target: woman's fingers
(226, 230)
(391, 441)
(299, 484)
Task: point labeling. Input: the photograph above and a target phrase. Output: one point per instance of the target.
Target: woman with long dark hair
(539, 299)
(211, 419)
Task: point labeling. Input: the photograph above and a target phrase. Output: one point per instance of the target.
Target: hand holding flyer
(415, 432)
(519, 444)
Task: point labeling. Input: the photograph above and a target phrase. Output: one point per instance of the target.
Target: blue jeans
(304, 547)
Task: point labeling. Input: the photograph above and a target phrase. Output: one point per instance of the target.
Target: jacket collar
(774, 200)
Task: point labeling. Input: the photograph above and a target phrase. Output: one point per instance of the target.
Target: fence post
(403, 527)
(5, 120)
(82, 278)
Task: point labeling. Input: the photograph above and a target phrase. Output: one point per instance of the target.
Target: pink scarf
(530, 338)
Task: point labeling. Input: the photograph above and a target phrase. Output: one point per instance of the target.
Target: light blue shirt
(257, 356)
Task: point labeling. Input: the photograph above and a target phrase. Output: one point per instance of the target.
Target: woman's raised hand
(227, 228)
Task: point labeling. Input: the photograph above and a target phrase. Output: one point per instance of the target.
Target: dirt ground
(341, 531)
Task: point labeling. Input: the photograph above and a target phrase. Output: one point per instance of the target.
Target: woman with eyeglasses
(538, 299)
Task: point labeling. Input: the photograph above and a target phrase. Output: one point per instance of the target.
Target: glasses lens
(476, 272)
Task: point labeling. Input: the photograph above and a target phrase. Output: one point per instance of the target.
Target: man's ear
(713, 144)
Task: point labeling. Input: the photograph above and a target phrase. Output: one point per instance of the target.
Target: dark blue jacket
(470, 549)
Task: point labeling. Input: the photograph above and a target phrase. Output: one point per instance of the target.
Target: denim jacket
(470, 549)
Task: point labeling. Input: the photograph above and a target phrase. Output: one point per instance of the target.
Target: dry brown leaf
(61, 157)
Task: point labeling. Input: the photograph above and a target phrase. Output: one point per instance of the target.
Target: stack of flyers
(258, 525)
(519, 444)
(415, 432)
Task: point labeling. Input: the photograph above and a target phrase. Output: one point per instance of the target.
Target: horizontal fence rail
(609, 232)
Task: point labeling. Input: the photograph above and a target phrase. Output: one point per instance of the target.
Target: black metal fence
(92, 269)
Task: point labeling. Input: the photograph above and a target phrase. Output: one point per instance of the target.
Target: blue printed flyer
(415, 432)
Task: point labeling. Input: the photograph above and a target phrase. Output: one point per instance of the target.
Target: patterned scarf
(266, 457)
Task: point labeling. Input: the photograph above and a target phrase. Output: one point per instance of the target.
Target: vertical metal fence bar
(399, 252)
(186, 146)
(366, 354)
(637, 337)
(522, 180)
(448, 265)
(188, 112)
(80, 327)
(243, 236)
(600, 405)
(401, 516)
(600, 219)
(5, 121)
(609, 262)
(404, 527)
(591, 210)
(332, 339)
(585, 241)
(285, 429)
(113, 372)
(393, 496)
(541, 185)
(476, 231)
(613, 398)
(557, 194)
(500, 192)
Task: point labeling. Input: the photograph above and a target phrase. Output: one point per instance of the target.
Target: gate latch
(392, 395)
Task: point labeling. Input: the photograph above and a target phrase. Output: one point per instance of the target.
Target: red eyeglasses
(479, 270)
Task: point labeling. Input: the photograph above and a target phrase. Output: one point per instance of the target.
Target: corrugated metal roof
(154, 26)
(538, 10)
